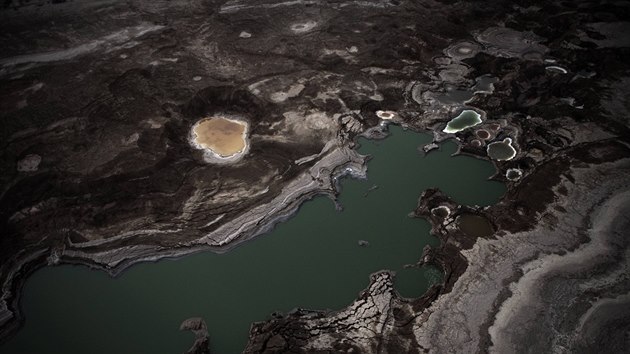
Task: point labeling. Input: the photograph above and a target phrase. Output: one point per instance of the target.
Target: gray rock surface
(197, 326)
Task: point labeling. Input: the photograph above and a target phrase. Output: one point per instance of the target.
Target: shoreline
(426, 322)
(339, 159)
(319, 180)
(477, 255)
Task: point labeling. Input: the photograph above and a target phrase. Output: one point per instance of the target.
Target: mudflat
(225, 137)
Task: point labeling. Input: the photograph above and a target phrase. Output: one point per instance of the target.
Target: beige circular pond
(222, 139)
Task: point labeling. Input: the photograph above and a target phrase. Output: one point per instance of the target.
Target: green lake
(311, 261)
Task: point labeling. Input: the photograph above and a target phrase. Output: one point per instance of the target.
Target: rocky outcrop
(569, 228)
(197, 326)
(373, 323)
(563, 268)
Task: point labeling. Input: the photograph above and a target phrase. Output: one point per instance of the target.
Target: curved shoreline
(541, 235)
(474, 268)
(320, 179)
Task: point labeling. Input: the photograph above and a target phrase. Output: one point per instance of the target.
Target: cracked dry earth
(98, 99)
(559, 284)
(353, 327)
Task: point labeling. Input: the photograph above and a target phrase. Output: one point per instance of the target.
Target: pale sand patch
(223, 137)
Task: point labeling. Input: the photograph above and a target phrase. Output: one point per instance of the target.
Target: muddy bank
(476, 268)
(319, 179)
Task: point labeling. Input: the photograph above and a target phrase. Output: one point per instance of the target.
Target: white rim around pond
(221, 150)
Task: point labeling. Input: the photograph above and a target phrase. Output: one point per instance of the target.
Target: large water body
(311, 261)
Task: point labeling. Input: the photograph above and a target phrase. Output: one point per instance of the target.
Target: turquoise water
(464, 120)
(311, 261)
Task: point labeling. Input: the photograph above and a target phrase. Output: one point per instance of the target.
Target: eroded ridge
(543, 252)
(580, 216)
(364, 326)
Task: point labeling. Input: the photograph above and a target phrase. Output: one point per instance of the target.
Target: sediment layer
(541, 261)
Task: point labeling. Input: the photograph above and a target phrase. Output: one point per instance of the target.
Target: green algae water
(311, 261)
(468, 118)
